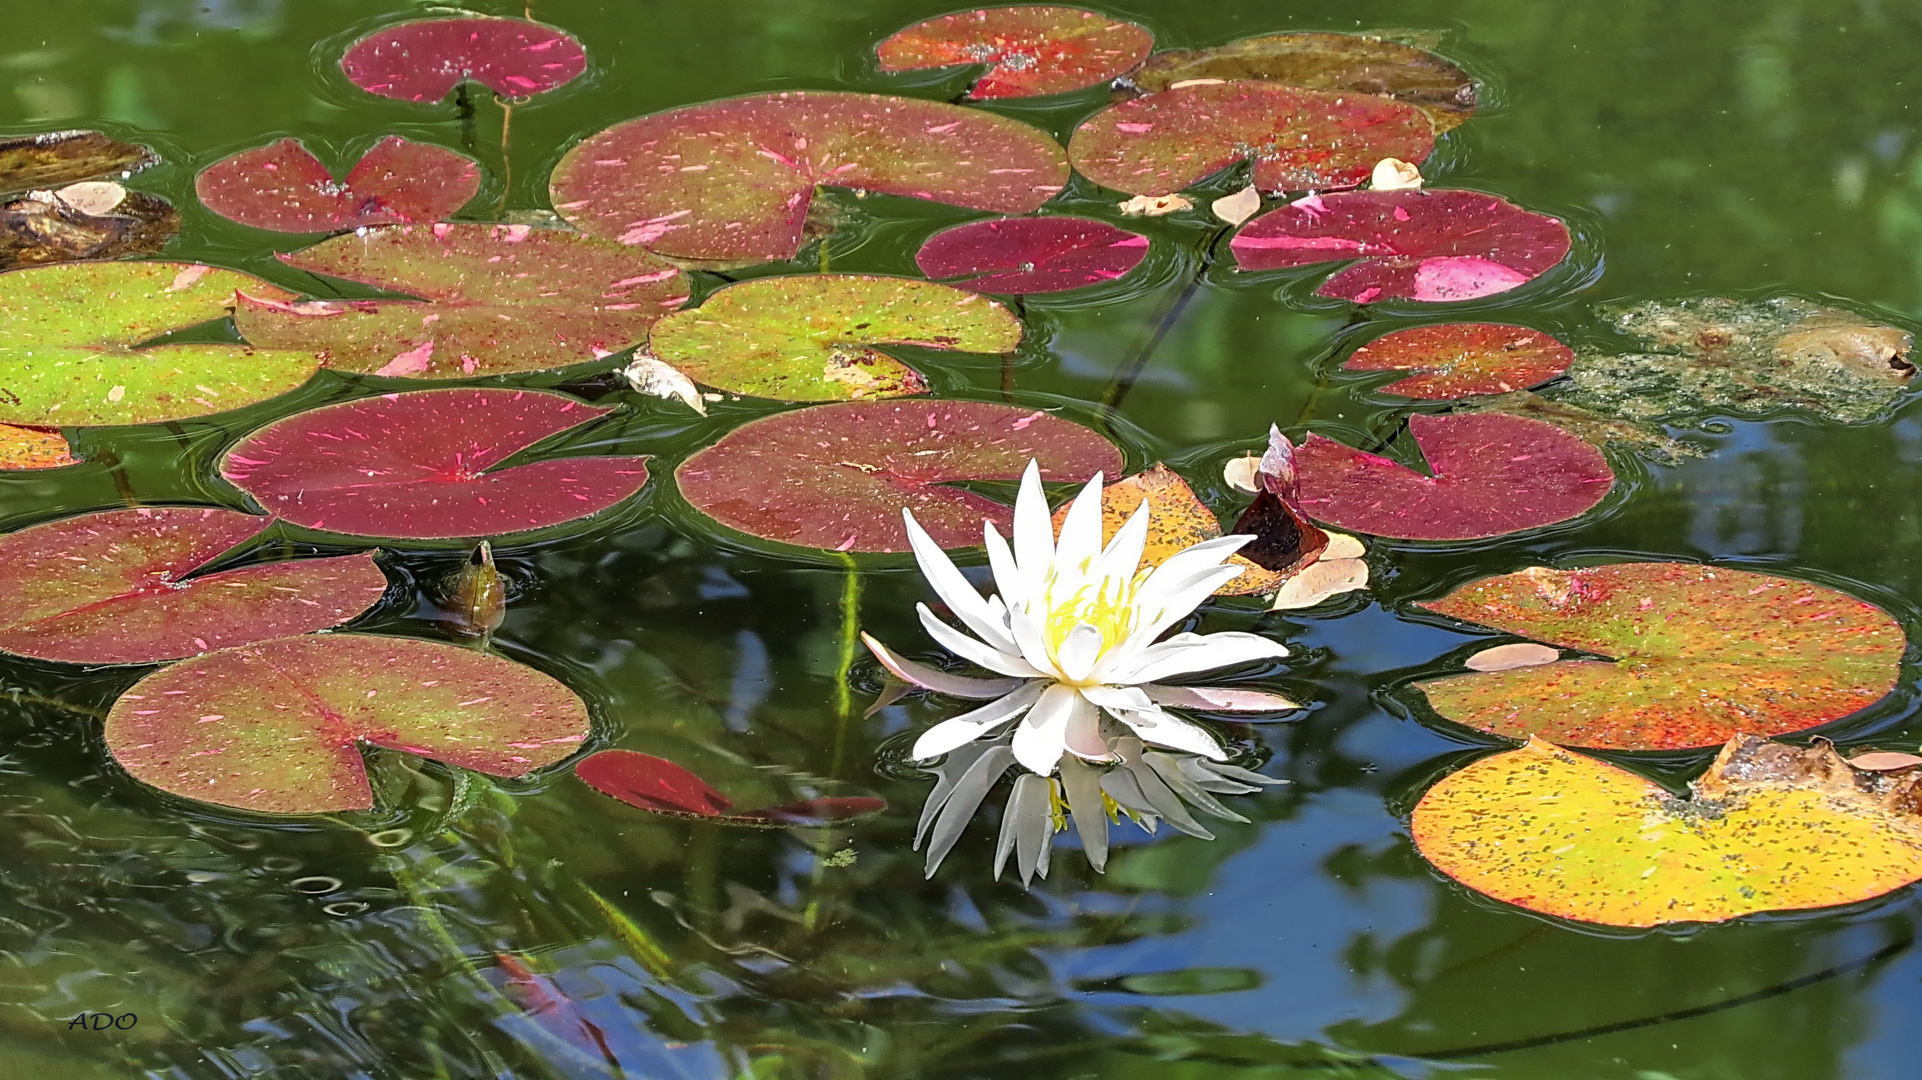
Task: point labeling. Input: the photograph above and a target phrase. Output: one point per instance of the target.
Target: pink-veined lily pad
(1460, 359)
(119, 587)
(662, 787)
(283, 187)
(499, 298)
(425, 59)
(33, 448)
(1413, 245)
(277, 727)
(730, 181)
(1493, 474)
(420, 465)
(1030, 49)
(837, 477)
(809, 337)
(69, 334)
(1018, 256)
(1297, 139)
(1698, 655)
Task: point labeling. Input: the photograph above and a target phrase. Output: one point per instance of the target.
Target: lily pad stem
(1165, 319)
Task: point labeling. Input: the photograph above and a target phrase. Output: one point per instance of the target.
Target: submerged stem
(850, 648)
(507, 160)
(1165, 319)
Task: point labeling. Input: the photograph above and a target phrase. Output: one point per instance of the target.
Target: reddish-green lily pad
(1460, 359)
(1414, 245)
(277, 727)
(121, 587)
(810, 337)
(283, 187)
(69, 334)
(499, 298)
(1320, 61)
(1296, 139)
(417, 465)
(33, 448)
(1493, 474)
(730, 181)
(1030, 49)
(662, 787)
(1023, 255)
(425, 59)
(1698, 655)
(837, 477)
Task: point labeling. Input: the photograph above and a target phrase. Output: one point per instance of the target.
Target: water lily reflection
(1071, 633)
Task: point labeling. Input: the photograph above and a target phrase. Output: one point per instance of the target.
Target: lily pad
(277, 727)
(69, 335)
(1296, 139)
(33, 448)
(1177, 519)
(731, 181)
(836, 477)
(1699, 654)
(1414, 245)
(94, 219)
(420, 465)
(1460, 359)
(1768, 828)
(1714, 356)
(57, 158)
(810, 337)
(424, 60)
(283, 187)
(1493, 474)
(1030, 49)
(662, 787)
(499, 298)
(1337, 62)
(1019, 256)
(122, 587)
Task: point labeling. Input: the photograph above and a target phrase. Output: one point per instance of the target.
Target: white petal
(1219, 698)
(1117, 698)
(1122, 658)
(1083, 735)
(1027, 635)
(1167, 729)
(1041, 737)
(1189, 560)
(952, 587)
(941, 682)
(968, 648)
(1080, 542)
(1033, 534)
(1078, 652)
(1188, 654)
(969, 726)
(1008, 582)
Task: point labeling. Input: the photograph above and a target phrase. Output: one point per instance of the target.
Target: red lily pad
(499, 298)
(1297, 139)
(277, 727)
(1030, 49)
(1460, 359)
(1019, 256)
(1494, 474)
(662, 787)
(425, 59)
(33, 448)
(71, 349)
(284, 187)
(417, 465)
(1700, 655)
(809, 337)
(731, 181)
(120, 587)
(1434, 245)
(837, 477)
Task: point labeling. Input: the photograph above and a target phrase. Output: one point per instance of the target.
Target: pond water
(1714, 147)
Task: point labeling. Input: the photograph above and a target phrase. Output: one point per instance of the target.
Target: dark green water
(1711, 146)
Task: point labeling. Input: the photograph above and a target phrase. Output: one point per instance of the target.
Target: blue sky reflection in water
(1742, 148)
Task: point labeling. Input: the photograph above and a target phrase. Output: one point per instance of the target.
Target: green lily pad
(810, 337)
(58, 158)
(1340, 62)
(69, 337)
(498, 298)
(33, 448)
(277, 727)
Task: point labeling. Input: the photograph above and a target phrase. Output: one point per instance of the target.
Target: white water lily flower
(1071, 631)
